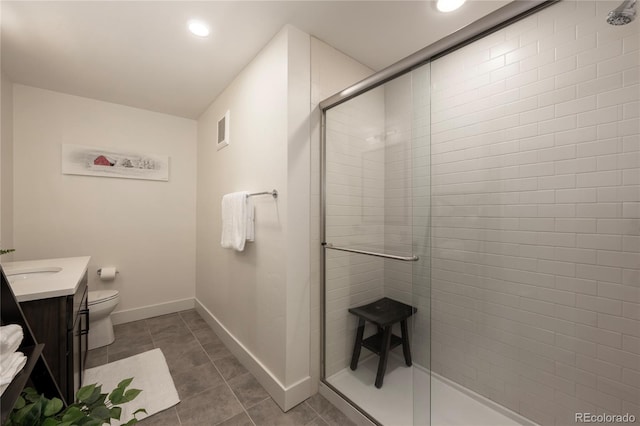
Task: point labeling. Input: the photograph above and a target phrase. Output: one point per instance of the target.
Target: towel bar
(273, 193)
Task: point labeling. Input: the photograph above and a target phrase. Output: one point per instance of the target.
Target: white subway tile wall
(535, 153)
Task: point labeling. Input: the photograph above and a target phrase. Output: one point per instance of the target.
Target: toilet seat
(100, 296)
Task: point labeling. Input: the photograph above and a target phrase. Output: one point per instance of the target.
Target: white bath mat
(150, 374)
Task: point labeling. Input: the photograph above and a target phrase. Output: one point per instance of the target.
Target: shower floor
(393, 404)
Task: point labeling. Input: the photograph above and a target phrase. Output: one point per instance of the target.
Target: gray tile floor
(214, 388)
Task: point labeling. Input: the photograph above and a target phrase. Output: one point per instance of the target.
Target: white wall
(298, 215)
(6, 164)
(536, 215)
(260, 297)
(144, 228)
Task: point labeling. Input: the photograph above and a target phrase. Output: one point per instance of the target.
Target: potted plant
(92, 407)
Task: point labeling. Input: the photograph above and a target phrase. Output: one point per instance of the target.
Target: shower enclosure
(492, 182)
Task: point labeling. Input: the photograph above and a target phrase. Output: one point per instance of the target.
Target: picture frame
(114, 163)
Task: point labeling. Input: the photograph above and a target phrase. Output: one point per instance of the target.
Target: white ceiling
(140, 53)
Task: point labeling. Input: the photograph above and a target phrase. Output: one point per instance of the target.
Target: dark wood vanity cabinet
(62, 324)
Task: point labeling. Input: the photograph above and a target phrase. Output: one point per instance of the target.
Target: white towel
(11, 365)
(251, 221)
(7, 361)
(10, 338)
(234, 220)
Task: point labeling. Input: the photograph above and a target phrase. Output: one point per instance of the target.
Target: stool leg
(358, 344)
(405, 343)
(384, 354)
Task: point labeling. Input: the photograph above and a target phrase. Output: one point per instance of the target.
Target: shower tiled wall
(536, 215)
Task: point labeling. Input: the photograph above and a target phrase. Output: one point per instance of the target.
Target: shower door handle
(372, 253)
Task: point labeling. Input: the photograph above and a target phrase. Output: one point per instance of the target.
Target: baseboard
(151, 311)
(285, 397)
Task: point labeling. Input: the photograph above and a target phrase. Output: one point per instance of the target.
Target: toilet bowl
(101, 304)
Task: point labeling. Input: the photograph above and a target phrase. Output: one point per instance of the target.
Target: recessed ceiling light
(198, 28)
(449, 5)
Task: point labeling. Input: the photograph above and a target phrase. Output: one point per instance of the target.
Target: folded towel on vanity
(7, 362)
(10, 338)
(10, 365)
(234, 220)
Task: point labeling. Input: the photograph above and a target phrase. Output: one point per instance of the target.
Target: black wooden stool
(384, 313)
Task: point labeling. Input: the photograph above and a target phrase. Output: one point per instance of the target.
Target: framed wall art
(111, 162)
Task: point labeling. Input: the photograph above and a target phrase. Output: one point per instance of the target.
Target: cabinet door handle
(85, 312)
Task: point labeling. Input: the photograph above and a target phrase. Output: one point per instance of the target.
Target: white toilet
(101, 304)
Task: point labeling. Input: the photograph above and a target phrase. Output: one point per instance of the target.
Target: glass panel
(369, 206)
(536, 222)
(421, 238)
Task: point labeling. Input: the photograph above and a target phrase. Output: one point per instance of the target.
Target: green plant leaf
(20, 402)
(72, 414)
(116, 395)
(131, 394)
(101, 401)
(51, 421)
(95, 422)
(125, 382)
(53, 407)
(31, 395)
(131, 422)
(32, 416)
(115, 413)
(85, 392)
(19, 415)
(101, 412)
(94, 397)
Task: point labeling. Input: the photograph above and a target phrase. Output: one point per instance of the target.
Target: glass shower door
(376, 158)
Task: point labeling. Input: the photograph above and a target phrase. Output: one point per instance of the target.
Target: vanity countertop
(64, 282)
